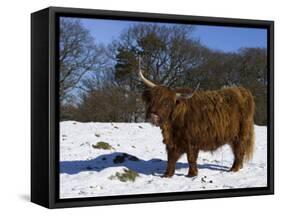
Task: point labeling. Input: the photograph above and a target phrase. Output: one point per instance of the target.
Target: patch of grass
(102, 145)
(127, 175)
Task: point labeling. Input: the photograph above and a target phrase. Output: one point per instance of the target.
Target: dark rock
(123, 157)
(119, 159)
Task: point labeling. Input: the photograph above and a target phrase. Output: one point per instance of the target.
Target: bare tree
(79, 55)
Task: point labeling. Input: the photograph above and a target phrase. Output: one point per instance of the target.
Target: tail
(250, 143)
(247, 126)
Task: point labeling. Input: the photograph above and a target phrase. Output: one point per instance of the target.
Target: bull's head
(161, 100)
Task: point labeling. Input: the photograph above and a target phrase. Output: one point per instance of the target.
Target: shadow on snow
(147, 167)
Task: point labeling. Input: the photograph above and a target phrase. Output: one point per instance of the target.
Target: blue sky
(227, 39)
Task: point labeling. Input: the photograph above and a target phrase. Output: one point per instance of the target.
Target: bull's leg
(244, 145)
(173, 156)
(192, 156)
(238, 158)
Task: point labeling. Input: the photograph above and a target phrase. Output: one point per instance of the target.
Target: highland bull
(201, 120)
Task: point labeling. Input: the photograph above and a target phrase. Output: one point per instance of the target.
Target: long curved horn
(189, 95)
(146, 81)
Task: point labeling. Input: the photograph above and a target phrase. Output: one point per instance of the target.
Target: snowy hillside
(94, 158)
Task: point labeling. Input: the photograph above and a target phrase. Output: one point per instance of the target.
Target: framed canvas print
(138, 107)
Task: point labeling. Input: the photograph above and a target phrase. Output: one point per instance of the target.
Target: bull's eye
(166, 104)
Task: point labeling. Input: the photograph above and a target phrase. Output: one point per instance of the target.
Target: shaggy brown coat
(206, 121)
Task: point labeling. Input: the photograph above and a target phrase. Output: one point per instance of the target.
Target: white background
(15, 106)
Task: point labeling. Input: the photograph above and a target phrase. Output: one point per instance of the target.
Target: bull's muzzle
(155, 119)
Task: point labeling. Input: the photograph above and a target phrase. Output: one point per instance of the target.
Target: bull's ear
(146, 96)
(186, 95)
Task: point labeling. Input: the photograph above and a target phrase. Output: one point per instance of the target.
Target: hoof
(234, 169)
(192, 174)
(167, 175)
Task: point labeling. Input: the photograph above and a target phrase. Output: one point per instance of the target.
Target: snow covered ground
(86, 171)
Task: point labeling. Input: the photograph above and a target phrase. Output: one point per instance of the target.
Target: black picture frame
(45, 107)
